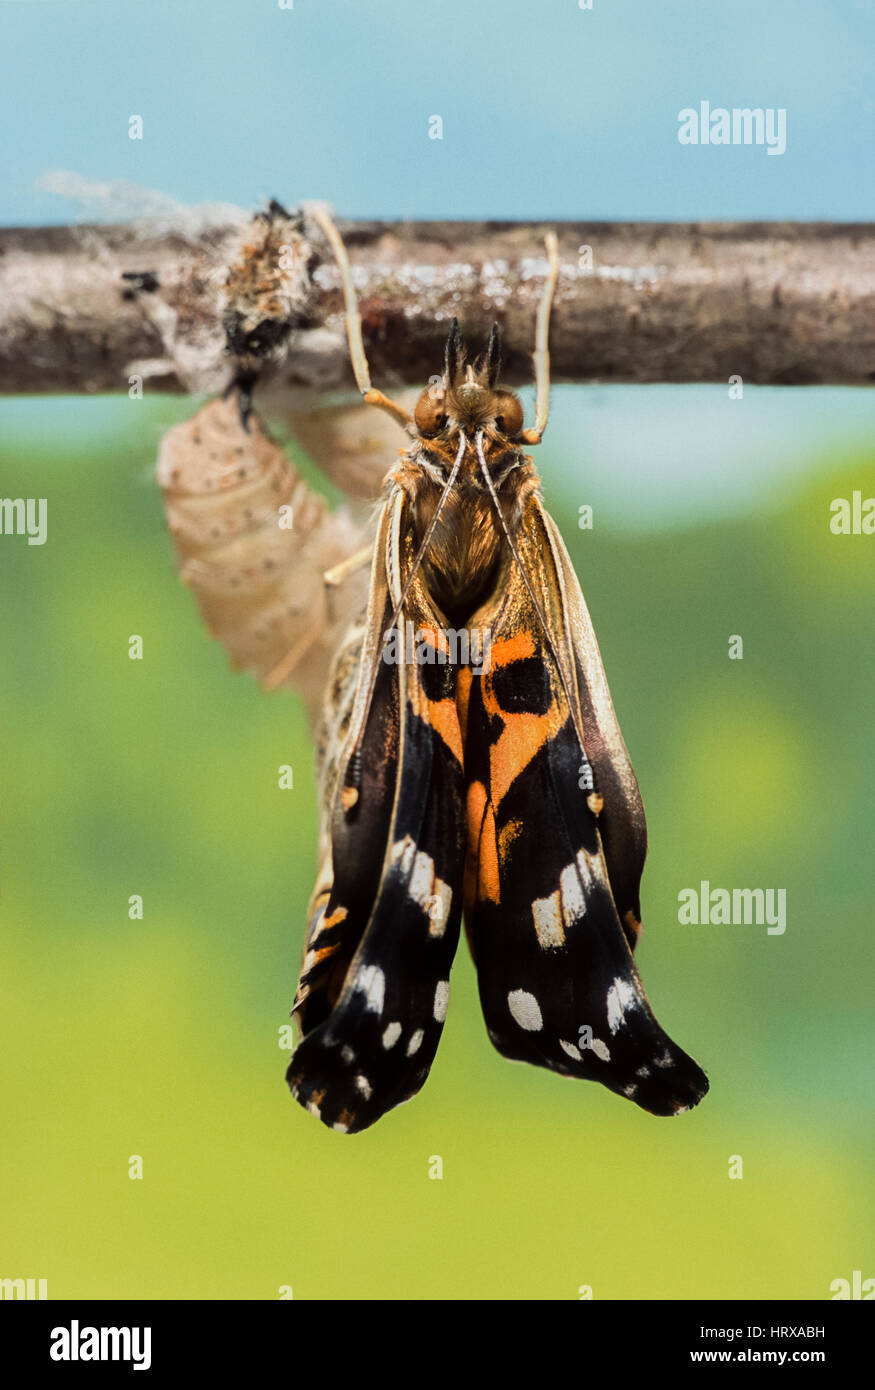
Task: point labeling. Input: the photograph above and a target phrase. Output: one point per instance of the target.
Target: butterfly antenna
(542, 353)
(357, 356)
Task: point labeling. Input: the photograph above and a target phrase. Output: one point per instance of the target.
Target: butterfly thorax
(464, 552)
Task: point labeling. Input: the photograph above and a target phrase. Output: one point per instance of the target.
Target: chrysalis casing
(253, 543)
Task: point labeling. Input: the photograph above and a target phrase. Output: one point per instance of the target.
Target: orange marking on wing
(632, 922)
(516, 648)
(442, 715)
(488, 880)
(434, 638)
(506, 837)
(314, 957)
(476, 805)
(523, 734)
(463, 697)
(339, 915)
(475, 808)
(481, 864)
(444, 719)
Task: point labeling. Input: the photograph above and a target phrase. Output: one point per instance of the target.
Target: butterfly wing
(373, 992)
(552, 888)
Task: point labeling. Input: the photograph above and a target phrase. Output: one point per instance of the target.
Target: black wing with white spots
(558, 984)
(375, 983)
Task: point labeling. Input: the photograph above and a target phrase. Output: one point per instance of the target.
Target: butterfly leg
(334, 577)
(297, 651)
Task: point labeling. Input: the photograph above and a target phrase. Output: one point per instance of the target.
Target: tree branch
(773, 302)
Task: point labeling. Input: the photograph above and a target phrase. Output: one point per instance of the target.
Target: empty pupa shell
(253, 542)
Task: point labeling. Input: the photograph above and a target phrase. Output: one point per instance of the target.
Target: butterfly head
(467, 396)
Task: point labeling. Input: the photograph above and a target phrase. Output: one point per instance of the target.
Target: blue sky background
(548, 110)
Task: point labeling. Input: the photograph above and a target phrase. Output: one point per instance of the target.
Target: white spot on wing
(363, 1084)
(431, 893)
(573, 905)
(439, 907)
(588, 867)
(525, 1010)
(372, 982)
(547, 915)
(600, 1049)
(621, 996)
(403, 852)
(415, 1042)
(421, 879)
(570, 1049)
(441, 999)
(391, 1035)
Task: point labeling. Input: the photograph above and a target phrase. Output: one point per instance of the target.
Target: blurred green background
(159, 777)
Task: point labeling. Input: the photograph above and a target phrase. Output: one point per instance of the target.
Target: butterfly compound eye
(508, 413)
(429, 414)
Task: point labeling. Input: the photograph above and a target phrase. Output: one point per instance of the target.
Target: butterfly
(483, 779)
